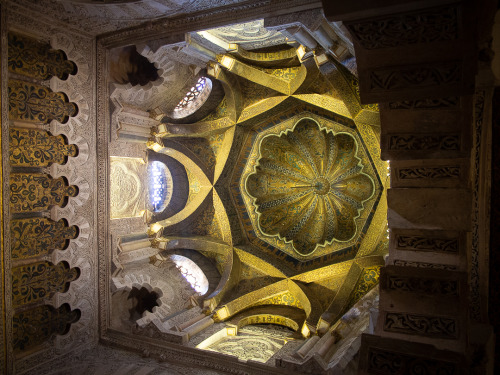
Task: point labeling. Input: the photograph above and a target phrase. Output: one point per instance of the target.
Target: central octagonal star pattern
(308, 186)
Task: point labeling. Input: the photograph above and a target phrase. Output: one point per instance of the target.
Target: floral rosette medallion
(308, 186)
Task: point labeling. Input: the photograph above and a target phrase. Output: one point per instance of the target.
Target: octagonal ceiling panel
(309, 186)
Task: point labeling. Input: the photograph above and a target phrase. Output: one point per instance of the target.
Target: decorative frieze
(390, 362)
(415, 77)
(406, 29)
(422, 243)
(423, 325)
(426, 103)
(424, 142)
(423, 285)
(428, 172)
(408, 263)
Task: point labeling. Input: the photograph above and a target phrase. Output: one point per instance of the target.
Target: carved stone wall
(73, 125)
(434, 133)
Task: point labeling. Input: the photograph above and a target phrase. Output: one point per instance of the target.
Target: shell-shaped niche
(309, 186)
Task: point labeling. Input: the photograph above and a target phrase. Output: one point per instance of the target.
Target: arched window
(192, 273)
(194, 98)
(160, 186)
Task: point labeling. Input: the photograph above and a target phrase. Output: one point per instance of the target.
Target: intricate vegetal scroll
(35, 59)
(408, 28)
(37, 192)
(415, 77)
(385, 362)
(452, 171)
(33, 327)
(423, 243)
(425, 286)
(40, 280)
(37, 148)
(39, 104)
(421, 142)
(38, 236)
(424, 325)
(309, 186)
(368, 279)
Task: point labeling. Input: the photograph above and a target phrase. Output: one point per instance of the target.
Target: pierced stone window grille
(194, 99)
(160, 186)
(192, 273)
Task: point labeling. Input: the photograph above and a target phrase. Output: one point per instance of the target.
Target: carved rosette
(308, 186)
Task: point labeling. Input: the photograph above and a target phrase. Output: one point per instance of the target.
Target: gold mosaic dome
(308, 186)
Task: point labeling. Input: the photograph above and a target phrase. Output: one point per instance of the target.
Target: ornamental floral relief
(308, 186)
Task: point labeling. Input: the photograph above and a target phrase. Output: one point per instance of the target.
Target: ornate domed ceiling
(283, 192)
(309, 187)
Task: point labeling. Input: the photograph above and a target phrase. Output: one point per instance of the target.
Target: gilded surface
(334, 249)
(35, 59)
(32, 192)
(368, 279)
(39, 104)
(309, 186)
(37, 148)
(41, 280)
(39, 236)
(32, 327)
(286, 192)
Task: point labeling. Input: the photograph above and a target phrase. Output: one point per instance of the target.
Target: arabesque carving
(421, 243)
(423, 285)
(309, 186)
(38, 236)
(415, 77)
(438, 266)
(427, 142)
(427, 103)
(385, 362)
(35, 59)
(33, 327)
(428, 172)
(37, 148)
(30, 192)
(39, 104)
(41, 280)
(415, 324)
(408, 28)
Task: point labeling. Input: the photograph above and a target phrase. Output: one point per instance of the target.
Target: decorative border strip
(425, 243)
(171, 30)
(475, 306)
(7, 312)
(4, 191)
(102, 141)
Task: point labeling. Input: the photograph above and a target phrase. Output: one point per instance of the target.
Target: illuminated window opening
(160, 186)
(192, 273)
(194, 98)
